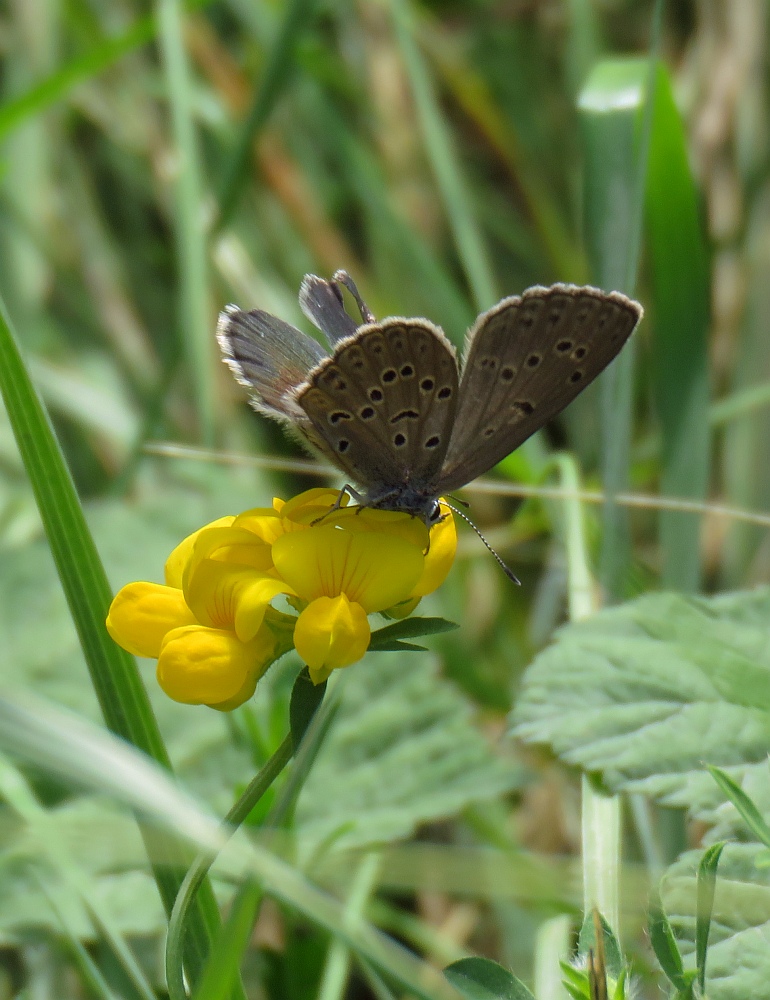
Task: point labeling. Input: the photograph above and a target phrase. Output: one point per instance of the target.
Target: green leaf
(403, 751)
(706, 883)
(220, 974)
(389, 637)
(613, 956)
(305, 699)
(743, 803)
(645, 693)
(738, 958)
(610, 107)
(483, 979)
(114, 675)
(680, 293)
(665, 947)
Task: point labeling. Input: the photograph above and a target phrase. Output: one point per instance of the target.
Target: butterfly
(390, 406)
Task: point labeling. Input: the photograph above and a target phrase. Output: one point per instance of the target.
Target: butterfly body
(391, 407)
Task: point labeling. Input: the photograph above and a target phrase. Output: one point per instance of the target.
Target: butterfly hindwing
(526, 359)
(384, 403)
(269, 357)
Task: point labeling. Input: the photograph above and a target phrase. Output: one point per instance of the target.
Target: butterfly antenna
(503, 566)
(343, 278)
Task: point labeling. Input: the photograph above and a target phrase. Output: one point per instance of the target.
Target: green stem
(198, 871)
(600, 813)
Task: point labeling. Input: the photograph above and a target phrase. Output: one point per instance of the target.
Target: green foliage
(482, 979)
(649, 692)
(154, 167)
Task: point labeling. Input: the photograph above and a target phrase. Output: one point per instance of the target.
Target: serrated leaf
(403, 750)
(738, 954)
(647, 692)
(483, 979)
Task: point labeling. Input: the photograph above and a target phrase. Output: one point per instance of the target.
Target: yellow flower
(212, 627)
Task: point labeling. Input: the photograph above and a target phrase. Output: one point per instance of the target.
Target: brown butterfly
(391, 408)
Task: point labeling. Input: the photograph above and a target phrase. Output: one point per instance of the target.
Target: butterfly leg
(347, 490)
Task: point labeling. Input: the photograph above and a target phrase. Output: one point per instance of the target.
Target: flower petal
(309, 506)
(374, 570)
(331, 632)
(207, 666)
(142, 613)
(177, 561)
(439, 558)
(231, 597)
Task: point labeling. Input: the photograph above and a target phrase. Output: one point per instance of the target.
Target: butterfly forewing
(269, 357)
(527, 358)
(384, 404)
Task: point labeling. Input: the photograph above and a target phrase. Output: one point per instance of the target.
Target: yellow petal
(309, 506)
(177, 561)
(206, 666)
(373, 570)
(331, 632)
(231, 545)
(263, 522)
(142, 613)
(439, 558)
(396, 524)
(231, 597)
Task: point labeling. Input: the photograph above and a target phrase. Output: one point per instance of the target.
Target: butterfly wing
(526, 359)
(321, 302)
(384, 404)
(269, 357)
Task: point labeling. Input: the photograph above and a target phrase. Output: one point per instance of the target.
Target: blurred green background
(159, 162)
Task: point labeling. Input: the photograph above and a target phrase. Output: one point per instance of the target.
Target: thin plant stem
(198, 871)
(600, 813)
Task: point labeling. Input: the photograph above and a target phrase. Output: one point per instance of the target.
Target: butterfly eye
(563, 346)
(407, 371)
(433, 442)
(524, 407)
(334, 418)
(533, 360)
(507, 374)
(389, 375)
(580, 352)
(376, 395)
(367, 413)
(576, 376)
(343, 445)
(427, 384)
(444, 393)
(399, 440)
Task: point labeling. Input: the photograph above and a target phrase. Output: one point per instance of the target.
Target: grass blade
(706, 885)
(681, 293)
(55, 87)
(280, 62)
(443, 159)
(114, 675)
(194, 323)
